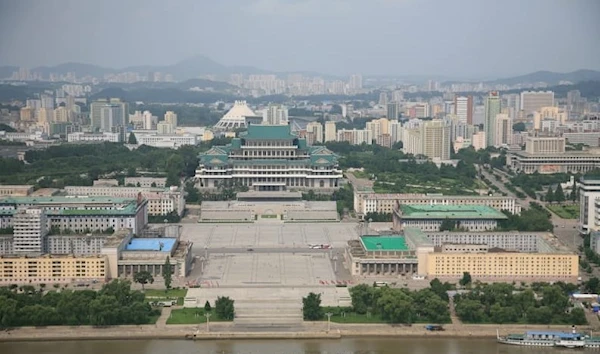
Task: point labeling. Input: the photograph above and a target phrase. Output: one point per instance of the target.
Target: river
(342, 346)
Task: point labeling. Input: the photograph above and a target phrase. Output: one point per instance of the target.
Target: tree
(466, 279)
(448, 225)
(549, 195)
(167, 273)
(311, 307)
(574, 195)
(224, 308)
(132, 140)
(362, 298)
(144, 277)
(559, 195)
(172, 179)
(207, 307)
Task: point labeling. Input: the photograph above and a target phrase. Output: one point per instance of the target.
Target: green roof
(268, 132)
(384, 243)
(65, 200)
(450, 211)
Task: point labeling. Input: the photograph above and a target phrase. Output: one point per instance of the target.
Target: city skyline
(445, 39)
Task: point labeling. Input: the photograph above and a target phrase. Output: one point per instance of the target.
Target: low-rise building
(161, 201)
(158, 182)
(172, 141)
(81, 214)
(15, 190)
(50, 269)
(370, 202)
(431, 217)
(500, 256)
(95, 257)
(94, 137)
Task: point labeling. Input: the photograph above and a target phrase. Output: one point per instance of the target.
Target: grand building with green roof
(431, 217)
(269, 158)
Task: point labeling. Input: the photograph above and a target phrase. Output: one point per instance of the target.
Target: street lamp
(335, 258)
(328, 314)
(206, 252)
(207, 315)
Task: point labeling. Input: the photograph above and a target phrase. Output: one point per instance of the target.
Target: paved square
(267, 269)
(268, 235)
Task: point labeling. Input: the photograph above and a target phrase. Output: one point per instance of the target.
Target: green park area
(565, 211)
(222, 311)
(396, 172)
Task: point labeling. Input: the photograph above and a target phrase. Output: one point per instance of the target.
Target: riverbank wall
(226, 331)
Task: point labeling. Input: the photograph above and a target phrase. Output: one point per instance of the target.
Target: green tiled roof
(128, 210)
(268, 132)
(450, 212)
(384, 243)
(65, 200)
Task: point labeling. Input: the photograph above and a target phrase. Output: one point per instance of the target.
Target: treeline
(387, 161)
(68, 164)
(379, 217)
(535, 218)
(401, 305)
(114, 304)
(504, 303)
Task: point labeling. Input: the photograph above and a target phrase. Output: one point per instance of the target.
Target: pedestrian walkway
(164, 316)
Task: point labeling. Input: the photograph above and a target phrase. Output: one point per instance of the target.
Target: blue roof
(151, 244)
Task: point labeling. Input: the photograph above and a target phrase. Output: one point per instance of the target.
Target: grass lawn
(565, 211)
(191, 316)
(351, 317)
(171, 293)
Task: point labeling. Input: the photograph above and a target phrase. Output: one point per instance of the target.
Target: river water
(341, 346)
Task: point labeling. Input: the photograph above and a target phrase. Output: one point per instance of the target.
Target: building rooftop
(384, 243)
(65, 200)
(162, 244)
(450, 211)
(268, 132)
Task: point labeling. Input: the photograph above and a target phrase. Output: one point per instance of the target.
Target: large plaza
(268, 235)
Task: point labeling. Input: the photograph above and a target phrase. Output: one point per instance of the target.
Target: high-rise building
(149, 120)
(111, 115)
(375, 128)
(45, 116)
(383, 98)
(27, 114)
(503, 130)
(463, 108)
(164, 128)
(314, 133)
(393, 110)
(171, 118)
(29, 230)
(330, 131)
(355, 82)
(435, 137)
(478, 141)
(492, 108)
(532, 101)
(275, 115)
(47, 101)
(96, 108)
(62, 115)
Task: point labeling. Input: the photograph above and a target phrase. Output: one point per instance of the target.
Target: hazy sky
(457, 38)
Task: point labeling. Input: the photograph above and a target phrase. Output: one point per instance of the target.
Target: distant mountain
(549, 77)
(191, 68)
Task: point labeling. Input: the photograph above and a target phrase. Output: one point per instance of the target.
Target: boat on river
(550, 339)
